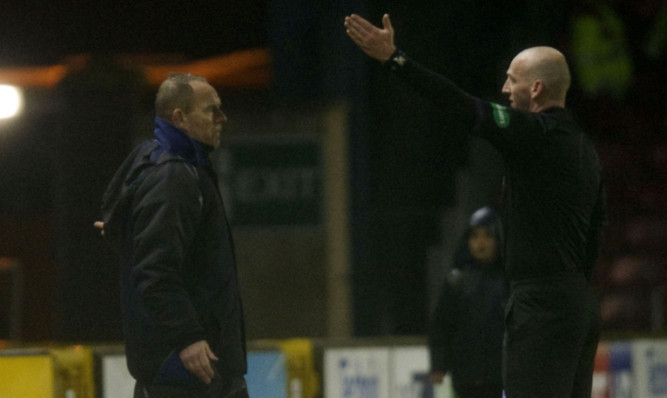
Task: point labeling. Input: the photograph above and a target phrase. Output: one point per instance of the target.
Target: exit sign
(271, 182)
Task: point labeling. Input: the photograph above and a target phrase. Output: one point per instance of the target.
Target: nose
(221, 118)
(506, 87)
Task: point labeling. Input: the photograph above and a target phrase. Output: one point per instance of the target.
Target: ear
(178, 117)
(536, 89)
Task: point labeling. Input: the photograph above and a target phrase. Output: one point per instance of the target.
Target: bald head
(543, 76)
(550, 66)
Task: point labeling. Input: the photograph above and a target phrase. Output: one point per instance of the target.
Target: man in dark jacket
(183, 320)
(466, 332)
(553, 213)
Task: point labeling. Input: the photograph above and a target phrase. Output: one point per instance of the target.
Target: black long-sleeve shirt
(554, 204)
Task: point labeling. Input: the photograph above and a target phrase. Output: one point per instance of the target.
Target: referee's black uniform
(553, 218)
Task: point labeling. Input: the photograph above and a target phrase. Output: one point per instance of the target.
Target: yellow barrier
(27, 376)
(74, 372)
(65, 372)
(303, 381)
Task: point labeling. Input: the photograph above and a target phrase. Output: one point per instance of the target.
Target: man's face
(518, 86)
(482, 245)
(204, 121)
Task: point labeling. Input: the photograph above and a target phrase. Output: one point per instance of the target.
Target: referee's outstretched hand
(375, 42)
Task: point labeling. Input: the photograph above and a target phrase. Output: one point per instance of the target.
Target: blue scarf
(178, 143)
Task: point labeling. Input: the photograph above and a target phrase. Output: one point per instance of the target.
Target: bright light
(11, 101)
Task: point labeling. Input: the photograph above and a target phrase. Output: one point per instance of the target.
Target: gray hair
(175, 92)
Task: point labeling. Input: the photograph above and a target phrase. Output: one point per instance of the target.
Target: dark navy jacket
(164, 213)
(466, 332)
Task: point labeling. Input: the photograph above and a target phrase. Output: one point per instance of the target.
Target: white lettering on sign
(256, 184)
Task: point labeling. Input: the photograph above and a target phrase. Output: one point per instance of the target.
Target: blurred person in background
(466, 332)
(553, 215)
(183, 319)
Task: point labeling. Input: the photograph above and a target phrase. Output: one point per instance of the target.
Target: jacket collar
(177, 142)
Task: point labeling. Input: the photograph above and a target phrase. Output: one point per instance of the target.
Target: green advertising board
(273, 182)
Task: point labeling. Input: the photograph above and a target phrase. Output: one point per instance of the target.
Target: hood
(486, 217)
(117, 198)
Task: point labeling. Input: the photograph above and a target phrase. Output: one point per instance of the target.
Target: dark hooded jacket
(164, 213)
(466, 332)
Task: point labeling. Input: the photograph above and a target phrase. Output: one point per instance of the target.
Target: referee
(554, 210)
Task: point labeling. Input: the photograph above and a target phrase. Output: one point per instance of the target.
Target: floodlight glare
(11, 101)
